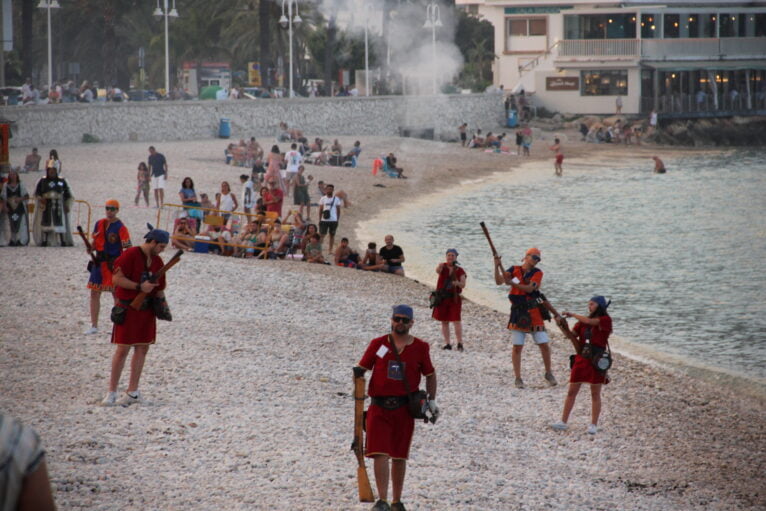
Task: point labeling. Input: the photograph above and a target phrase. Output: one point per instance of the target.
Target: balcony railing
(599, 47)
(724, 104)
(665, 49)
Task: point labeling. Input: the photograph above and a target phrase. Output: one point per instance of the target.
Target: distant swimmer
(556, 148)
(659, 167)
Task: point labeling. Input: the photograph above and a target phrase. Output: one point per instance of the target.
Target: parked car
(11, 95)
(256, 92)
(142, 95)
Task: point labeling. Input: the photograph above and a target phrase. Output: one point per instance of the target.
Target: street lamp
(433, 21)
(366, 60)
(173, 13)
(49, 4)
(287, 22)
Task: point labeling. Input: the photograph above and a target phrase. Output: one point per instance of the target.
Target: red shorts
(448, 310)
(139, 328)
(559, 158)
(584, 372)
(389, 432)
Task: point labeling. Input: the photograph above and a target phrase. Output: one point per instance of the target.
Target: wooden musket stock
(363, 481)
(141, 296)
(87, 245)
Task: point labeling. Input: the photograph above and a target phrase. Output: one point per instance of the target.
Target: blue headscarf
(601, 302)
(157, 235)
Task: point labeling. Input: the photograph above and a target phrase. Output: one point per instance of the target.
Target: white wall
(571, 102)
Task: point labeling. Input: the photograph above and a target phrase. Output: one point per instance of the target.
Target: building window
(600, 26)
(729, 25)
(649, 26)
(523, 27)
(672, 26)
(759, 20)
(604, 82)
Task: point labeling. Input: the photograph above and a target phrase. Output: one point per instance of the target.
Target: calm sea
(682, 255)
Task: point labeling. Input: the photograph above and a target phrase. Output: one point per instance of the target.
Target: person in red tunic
(590, 331)
(526, 318)
(110, 238)
(389, 423)
(139, 328)
(451, 283)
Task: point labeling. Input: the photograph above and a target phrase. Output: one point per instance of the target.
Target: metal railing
(723, 104)
(599, 47)
(664, 49)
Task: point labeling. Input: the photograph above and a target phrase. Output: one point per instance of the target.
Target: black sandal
(460, 346)
(447, 347)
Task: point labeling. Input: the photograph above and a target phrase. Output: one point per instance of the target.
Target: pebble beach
(248, 391)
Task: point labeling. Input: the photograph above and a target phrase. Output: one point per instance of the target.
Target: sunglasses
(111, 208)
(399, 319)
(535, 258)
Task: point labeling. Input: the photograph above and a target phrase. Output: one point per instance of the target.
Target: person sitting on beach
(308, 234)
(313, 252)
(492, 140)
(283, 135)
(372, 261)
(345, 255)
(218, 237)
(600, 135)
(186, 232)
(393, 255)
(336, 149)
(391, 164)
(246, 239)
(32, 161)
(590, 336)
(659, 166)
(353, 154)
(254, 151)
(318, 153)
(278, 240)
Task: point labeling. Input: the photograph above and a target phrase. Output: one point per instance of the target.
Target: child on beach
(590, 337)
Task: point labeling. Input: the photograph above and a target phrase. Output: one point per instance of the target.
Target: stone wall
(50, 125)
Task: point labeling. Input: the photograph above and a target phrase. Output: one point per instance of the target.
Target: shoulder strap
(401, 365)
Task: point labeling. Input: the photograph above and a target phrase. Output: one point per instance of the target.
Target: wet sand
(247, 392)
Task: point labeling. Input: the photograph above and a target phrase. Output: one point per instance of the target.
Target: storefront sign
(536, 10)
(562, 83)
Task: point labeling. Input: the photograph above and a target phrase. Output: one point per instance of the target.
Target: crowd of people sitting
(619, 132)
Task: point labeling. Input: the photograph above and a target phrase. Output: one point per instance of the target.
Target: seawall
(46, 125)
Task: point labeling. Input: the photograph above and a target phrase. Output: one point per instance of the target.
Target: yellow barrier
(79, 210)
(214, 217)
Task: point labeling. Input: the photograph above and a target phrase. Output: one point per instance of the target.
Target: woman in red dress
(451, 283)
(590, 334)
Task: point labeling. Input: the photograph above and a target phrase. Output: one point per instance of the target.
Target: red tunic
(450, 308)
(537, 320)
(582, 370)
(390, 431)
(140, 327)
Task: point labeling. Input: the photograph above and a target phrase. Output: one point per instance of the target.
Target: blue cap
(452, 251)
(403, 310)
(601, 301)
(157, 235)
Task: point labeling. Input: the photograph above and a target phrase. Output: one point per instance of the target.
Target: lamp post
(366, 60)
(173, 13)
(49, 4)
(433, 21)
(287, 22)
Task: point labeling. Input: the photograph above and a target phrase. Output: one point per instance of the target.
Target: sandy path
(247, 391)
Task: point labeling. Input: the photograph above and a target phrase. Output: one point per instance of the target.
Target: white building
(677, 57)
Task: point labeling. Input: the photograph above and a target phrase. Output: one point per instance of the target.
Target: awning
(703, 65)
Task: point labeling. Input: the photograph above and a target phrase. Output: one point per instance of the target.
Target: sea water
(682, 255)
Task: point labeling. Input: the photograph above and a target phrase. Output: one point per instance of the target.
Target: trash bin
(513, 118)
(224, 129)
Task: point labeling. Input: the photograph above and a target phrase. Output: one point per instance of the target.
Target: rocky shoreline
(248, 391)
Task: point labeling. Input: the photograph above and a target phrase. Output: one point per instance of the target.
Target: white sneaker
(127, 399)
(110, 399)
(559, 426)
(92, 330)
(592, 429)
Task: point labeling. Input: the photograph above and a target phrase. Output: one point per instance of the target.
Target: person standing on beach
(450, 284)
(143, 180)
(559, 157)
(138, 330)
(591, 335)
(526, 317)
(329, 214)
(159, 168)
(389, 423)
(462, 129)
(110, 238)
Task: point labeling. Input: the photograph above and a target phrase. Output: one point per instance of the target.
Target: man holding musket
(389, 422)
(137, 328)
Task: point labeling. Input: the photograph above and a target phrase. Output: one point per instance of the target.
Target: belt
(390, 402)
